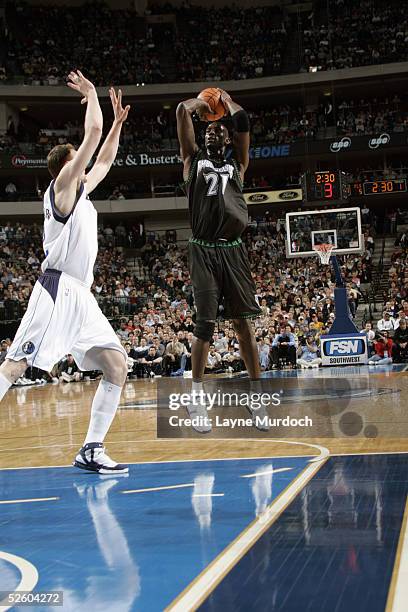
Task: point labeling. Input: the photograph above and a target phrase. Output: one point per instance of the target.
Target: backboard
(308, 228)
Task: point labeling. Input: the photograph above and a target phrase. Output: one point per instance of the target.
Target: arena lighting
(24, 108)
(166, 107)
(312, 68)
(327, 93)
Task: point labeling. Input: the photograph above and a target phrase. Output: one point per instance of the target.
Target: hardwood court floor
(265, 525)
(45, 425)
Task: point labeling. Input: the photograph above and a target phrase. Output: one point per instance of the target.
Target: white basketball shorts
(62, 317)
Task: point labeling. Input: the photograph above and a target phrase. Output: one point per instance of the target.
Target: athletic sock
(255, 385)
(5, 385)
(104, 406)
(197, 386)
(255, 390)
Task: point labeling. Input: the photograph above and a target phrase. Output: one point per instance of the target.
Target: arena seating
(274, 124)
(158, 307)
(129, 48)
(345, 34)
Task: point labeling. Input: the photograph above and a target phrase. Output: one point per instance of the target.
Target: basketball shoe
(200, 421)
(259, 416)
(92, 457)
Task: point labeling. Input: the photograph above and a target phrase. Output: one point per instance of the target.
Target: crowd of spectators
(371, 116)
(352, 117)
(44, 43)
(21, 255)
(141, 132)
(205, 43)
(197, 44)
(229, 43)
(390, 339)
(346, 34)
(282, 124)
(151, 308)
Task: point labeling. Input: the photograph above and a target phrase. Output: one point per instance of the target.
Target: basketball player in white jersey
(62, 315)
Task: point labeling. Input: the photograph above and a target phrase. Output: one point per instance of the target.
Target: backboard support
(340, 228)
(308, 228)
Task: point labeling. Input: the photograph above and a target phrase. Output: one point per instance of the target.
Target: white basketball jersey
(70, 243)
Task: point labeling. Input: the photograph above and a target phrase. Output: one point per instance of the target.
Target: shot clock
(325, 186)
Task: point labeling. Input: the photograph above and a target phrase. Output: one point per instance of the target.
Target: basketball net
(324, 251)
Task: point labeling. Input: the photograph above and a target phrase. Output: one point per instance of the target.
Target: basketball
(212, 96)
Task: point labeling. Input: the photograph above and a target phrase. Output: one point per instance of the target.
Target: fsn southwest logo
(383, 139)
(343, 144)
(339, 348)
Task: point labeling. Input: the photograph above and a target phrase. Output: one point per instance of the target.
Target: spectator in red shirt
(383, 350)
(129, 326)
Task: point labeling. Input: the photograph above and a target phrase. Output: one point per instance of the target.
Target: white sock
(197, 386)
(104, 406)
(5, 385)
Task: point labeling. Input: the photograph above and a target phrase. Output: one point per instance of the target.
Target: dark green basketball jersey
(216, 204)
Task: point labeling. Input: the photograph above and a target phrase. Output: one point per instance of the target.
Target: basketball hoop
(324, 251)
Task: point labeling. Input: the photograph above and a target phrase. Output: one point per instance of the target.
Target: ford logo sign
(258, 197)
(288, 195)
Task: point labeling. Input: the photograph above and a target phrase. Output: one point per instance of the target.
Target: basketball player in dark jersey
(219, 266)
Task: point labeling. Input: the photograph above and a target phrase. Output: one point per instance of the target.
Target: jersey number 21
(213, 181)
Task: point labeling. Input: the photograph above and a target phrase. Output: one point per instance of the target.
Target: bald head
(216, 139)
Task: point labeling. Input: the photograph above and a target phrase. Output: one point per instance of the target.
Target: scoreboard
(325, 186)
(384, 187)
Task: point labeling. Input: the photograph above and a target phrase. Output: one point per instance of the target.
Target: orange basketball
(212, 96)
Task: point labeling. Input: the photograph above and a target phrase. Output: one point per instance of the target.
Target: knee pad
(204, 329)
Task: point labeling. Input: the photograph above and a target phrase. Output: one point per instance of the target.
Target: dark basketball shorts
(219, 272)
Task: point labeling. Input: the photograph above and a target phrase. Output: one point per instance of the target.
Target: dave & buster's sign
(147, 159)
(132, 159)
(340, 145)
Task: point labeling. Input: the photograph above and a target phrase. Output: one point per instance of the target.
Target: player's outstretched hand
(77, 81)
(119, 112)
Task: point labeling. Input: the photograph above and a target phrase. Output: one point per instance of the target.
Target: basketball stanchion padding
(328, 234)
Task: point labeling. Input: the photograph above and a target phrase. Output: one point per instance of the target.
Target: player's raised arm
(109, 149)
(185, 128)
(67, 180)
(240, 139)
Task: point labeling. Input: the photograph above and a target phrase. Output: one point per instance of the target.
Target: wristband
(240, 121)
